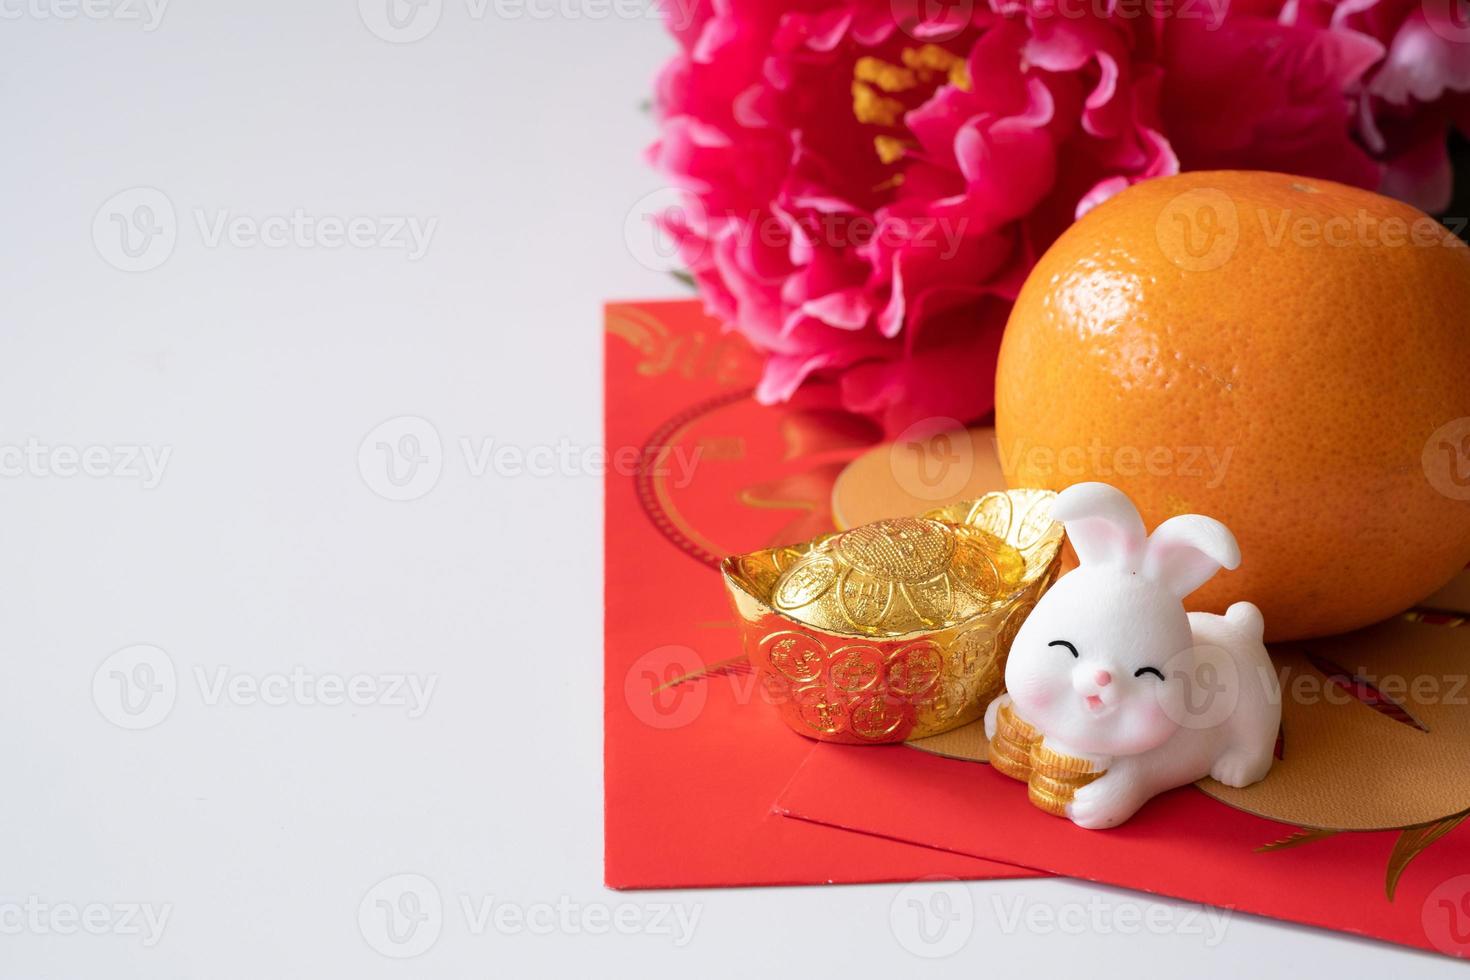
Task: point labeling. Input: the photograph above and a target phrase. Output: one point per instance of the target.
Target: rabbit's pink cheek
(1148, 721)
(1033, 689)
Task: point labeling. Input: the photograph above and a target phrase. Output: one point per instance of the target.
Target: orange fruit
(1288, 355)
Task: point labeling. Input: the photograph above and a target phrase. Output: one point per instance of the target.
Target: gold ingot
(897, 629)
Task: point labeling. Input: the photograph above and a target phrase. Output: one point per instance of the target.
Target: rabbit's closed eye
(1149, 670)
(1064, 643)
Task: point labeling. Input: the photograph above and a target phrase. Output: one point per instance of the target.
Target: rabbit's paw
(1104, 803)
(1240, 768)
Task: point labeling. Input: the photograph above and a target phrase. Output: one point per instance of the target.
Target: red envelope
(1372, 773)
(1183, 844)
(697, 470)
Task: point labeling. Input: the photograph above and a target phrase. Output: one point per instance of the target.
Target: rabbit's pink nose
(1103, 678)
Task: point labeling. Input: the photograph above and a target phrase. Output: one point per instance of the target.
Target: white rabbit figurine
(1110, 674)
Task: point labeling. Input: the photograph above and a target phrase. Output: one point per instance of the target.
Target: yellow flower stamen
(875, 81)
(931, 59)
(890, 78)
(890, 148)
(959, 76)
(873, 109)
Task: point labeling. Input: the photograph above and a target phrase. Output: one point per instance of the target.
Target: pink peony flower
(1417, 88)
(868, 187)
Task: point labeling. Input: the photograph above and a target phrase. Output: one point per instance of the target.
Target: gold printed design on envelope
(700, 354)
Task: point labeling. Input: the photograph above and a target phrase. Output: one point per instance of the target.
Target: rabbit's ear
(1186, 551)
(1102, 524)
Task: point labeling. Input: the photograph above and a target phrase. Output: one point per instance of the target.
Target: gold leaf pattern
(1412, 842)
(1302, 835)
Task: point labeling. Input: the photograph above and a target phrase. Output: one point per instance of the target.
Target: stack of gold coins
(1010, 749)
(1056, 778)
(1052, 779)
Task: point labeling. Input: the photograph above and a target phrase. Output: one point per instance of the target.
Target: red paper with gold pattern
(691, 767)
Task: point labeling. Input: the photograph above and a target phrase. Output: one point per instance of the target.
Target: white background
(262, 828)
